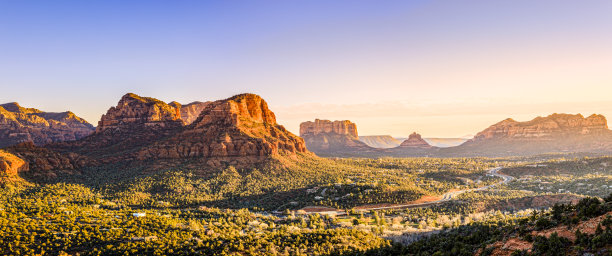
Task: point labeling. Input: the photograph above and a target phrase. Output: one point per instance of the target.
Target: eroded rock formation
(240, 130)
(415, 141)
(10, 166)
(344, 127)
(325, 137)
(191, 111)
(19, 124)
(545, 127)
(557, 133)
(135, 112)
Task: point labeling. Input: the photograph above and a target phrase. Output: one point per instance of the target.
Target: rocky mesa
(556, 133)
(19, 124)
(325, 136)
(545, 127)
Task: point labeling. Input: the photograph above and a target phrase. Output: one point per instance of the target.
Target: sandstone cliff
(135, 112)
(415, 141)
(327, 137)
(545, 127)
(191, 111)
(19, 124)
(240, 131)
(344, 127)
(10, 166)
(557, 133)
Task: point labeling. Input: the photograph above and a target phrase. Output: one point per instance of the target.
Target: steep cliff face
(19, 124)
(317, 127)
(380, 141)
(324, 136)
(145, 132)
(415, 141)
(551, 134)
(10, 166)
(135, 112)
(545, 127)
(240, 130)
(191, 111)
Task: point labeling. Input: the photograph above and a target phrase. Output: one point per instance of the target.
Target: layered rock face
(45, 159)
(191, 111)
(344, 127)
(380, 141)
(545, 127)
(10, 166)
(135, 112)
(557, 133)
(415, 141)
(324, 136)
(19, 124)
(240, 131)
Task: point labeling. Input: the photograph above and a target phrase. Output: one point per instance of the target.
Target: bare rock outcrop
(240, 130)
(135, 112)
(19, 124)
(415, 141)
(10, 166)
(191, 111)
(545, 127)
(556, 133)
(325, 137)
(344, 127)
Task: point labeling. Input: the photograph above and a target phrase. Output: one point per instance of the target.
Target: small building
(139, 214)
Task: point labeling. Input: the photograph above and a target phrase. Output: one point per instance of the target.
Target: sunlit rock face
(545, 127)
(19, 124)
(145, 132)
(135, 112)
(556, 133)
(240, 130)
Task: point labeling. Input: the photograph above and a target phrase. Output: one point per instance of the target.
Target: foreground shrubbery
(71, 218)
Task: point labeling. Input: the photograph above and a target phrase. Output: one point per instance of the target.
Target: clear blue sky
(442, 68)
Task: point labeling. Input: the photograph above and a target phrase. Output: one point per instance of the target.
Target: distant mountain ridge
(556, 133)
(380, 141)
(150, 134)
(19, 124)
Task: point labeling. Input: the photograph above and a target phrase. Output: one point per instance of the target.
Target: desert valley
(223, 177)
(299, 128)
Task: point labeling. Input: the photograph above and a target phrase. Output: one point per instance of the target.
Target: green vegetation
(65, 218)
(120, 210)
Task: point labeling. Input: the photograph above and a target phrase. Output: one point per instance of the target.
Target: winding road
(448, 196)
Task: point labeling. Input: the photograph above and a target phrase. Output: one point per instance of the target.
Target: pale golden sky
(441, 68)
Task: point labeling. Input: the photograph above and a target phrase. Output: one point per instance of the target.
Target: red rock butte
(415, 141)
(326, 126)
(239, 131)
